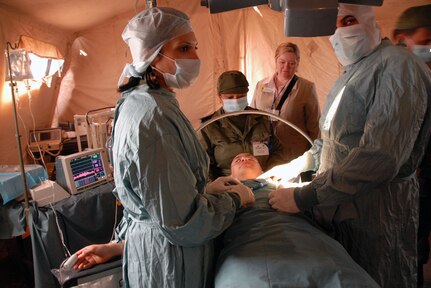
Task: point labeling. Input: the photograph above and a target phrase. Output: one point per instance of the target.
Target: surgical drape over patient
(147, 32)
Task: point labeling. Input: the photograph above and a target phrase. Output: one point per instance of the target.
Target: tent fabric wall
(243, 39)
(12, 26)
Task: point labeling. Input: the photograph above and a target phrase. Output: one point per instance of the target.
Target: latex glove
(283, 200)
(221, 184)
(97, 254)
(245, 194)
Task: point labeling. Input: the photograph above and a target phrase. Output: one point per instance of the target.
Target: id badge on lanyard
(260, 149)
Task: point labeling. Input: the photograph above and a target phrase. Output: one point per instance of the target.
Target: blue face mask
(233, 105)
(423, 52)
(187, 70)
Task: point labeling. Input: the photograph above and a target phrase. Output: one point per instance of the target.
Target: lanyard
(285, 94)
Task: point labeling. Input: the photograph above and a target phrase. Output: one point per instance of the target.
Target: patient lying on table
(265, 248)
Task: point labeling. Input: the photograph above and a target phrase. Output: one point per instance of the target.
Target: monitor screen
(80, 171)
(87, 169)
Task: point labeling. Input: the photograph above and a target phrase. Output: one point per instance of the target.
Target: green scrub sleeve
(305, 197)
(235, 199)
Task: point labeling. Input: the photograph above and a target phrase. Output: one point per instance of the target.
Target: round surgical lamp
(256, 112)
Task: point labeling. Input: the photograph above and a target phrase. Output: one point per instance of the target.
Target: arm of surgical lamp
(302, 18)
(217, 6)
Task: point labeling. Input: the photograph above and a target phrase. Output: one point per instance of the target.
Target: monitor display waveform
(82, 175)
(87, 170)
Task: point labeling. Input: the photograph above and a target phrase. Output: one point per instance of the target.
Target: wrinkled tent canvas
(87, 34)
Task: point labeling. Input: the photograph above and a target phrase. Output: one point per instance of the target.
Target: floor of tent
(16, 269)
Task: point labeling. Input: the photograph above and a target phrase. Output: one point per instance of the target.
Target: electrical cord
(115, 221)
(60, 232)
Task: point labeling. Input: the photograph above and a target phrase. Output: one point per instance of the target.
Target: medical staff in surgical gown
(160, 178)
(375, 126)
(370, 154)
(160, 168)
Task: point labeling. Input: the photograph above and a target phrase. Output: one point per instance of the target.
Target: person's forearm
(116, 248)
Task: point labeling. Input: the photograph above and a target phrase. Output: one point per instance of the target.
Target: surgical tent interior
(87, 35)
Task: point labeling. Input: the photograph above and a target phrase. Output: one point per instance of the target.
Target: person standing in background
(413, 30)
(229, 136)
(291, 97)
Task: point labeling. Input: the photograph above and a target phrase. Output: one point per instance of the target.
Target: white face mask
(351, 43)
(423, 52)
(187, 70)
(233, 105)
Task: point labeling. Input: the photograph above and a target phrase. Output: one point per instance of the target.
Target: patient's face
(245, 166)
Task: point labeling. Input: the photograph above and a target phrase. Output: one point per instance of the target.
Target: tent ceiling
(76, 15)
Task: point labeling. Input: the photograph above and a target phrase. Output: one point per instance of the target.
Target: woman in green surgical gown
(160, 168)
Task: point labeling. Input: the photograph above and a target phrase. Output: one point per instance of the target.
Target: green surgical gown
(160, 172)
(373, 141)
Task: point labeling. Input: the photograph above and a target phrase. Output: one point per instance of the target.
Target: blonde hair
(287, 47)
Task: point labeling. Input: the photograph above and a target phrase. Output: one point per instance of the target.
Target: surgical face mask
(351, 43)
(423, 52)
(187, 70)
(233, 105)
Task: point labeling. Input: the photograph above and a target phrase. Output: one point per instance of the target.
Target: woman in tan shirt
(300, 106)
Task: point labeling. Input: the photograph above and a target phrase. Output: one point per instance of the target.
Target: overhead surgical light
(217, 6)
(363, 2)
(302, 18)
(308, 18)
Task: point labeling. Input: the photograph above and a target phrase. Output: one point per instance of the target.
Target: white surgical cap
(147, 32)
(365, 16)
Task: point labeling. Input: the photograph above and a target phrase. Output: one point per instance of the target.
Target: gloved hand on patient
(231, 184)
(283, 200)
(285, 178)
(221, 184)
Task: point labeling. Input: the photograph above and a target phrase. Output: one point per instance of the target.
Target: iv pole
(17, 135)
